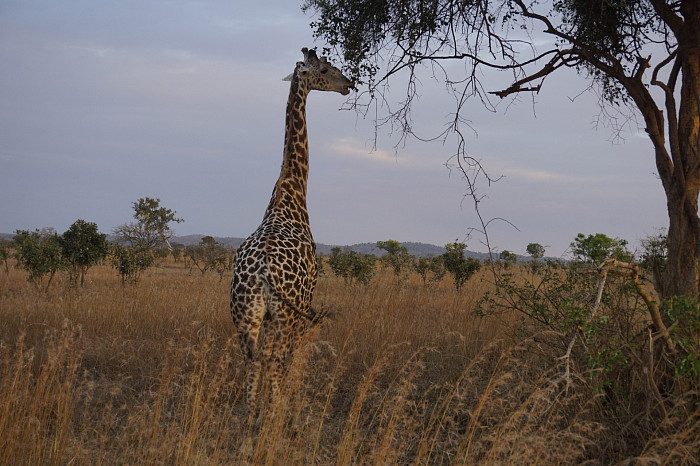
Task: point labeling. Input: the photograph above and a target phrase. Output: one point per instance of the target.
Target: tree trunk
(48, 284)
(681, 274)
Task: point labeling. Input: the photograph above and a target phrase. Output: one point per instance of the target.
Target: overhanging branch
(557, 62)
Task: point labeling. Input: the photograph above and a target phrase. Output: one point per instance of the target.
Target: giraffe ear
(288, 78)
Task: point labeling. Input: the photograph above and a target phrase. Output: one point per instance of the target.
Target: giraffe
(274, 273)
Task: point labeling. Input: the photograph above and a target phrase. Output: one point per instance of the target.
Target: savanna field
(400, 372)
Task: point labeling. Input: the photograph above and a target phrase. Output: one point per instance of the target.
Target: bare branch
(670, 100)
(548, 68)
(669, 17)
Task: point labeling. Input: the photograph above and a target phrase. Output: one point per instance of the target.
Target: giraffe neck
(290, 190)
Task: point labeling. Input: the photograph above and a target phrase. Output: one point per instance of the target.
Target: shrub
(684, 314)
(397, 257)
(39, 253)
(352, 266)
(130, 262)
(460, 267)
(5, 247)
(83, 246)
(210, 255)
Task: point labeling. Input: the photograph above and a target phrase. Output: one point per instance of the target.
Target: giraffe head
(320, 75)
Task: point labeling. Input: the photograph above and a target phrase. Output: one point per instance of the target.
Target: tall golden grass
(400, 373)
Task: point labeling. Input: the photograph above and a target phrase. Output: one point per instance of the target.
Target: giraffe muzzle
(346, 91)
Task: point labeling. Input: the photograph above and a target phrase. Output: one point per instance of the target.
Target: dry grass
(151, 373)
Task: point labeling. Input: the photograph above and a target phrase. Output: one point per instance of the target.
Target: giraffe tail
(318, 315)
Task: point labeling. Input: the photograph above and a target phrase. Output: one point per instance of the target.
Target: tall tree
(135, 250)
(627, 48)
(152, 226)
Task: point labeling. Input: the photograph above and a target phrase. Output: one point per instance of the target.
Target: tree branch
(671, 110)
(667, 14)
(548, 68)
(631, 271)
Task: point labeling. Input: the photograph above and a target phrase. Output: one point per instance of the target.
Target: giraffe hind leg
(249, 328)
(278, 351)
(277, 360)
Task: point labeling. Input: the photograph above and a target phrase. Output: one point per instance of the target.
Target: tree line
(146, 241)
(587, 250)
(138, 245)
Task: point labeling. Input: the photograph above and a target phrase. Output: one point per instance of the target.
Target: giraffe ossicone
(274, 273)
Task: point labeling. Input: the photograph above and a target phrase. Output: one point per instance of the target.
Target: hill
(414, 248)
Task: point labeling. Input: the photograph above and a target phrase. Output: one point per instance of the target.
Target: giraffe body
(274, 273)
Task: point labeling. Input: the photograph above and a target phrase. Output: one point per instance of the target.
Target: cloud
(543, 176)
(415, 156)
(497, 166)
(350, 147)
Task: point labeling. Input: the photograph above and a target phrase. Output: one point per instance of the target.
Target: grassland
(151, 373)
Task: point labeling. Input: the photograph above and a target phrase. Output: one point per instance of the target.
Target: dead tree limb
(631, 271)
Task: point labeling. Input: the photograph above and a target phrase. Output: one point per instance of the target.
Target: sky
(103, 103)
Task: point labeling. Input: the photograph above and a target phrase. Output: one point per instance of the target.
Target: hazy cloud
(543, 176)
(349, 147)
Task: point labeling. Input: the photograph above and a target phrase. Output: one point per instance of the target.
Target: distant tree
(434, 265)
(210, 255)
(177, 251)
(396, 257)
(160, 255)
(536, 250)
(130, 261)
(594, 249)
(458, 265)
(224, 263)
(139, 240)
(654, 257)
(5, 248)
(193, 258)
(352, 266)
(422, 266)
(83, 246)
(152, 226)
(437, 267)
(340, 263)
(507, 258)
(39, 253)
(320, 259)
(363, 267)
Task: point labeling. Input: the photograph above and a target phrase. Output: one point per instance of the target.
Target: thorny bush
(610, 344)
